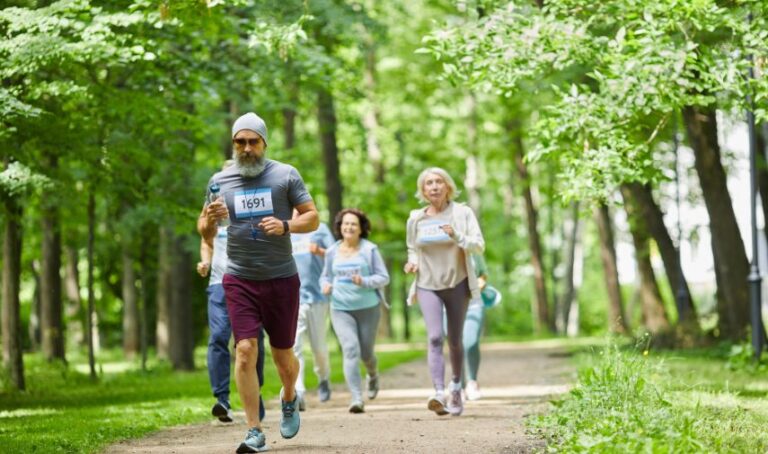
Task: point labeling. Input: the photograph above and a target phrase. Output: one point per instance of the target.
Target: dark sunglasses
(251, 142)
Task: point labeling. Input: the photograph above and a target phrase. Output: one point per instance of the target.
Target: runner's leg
(432, 310)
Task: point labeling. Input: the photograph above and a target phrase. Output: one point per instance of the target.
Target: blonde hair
(453, 191)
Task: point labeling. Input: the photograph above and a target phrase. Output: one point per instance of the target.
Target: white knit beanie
(253, 122)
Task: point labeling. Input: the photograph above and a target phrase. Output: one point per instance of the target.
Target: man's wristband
(286, 229)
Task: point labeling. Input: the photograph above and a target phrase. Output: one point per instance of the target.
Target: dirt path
(516, 380)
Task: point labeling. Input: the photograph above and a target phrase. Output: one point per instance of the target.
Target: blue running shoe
(255, 441)
(290, 421)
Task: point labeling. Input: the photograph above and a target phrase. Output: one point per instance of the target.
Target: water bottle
(215, 195)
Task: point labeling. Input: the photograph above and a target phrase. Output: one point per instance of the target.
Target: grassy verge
(63, 411)
(639, 401)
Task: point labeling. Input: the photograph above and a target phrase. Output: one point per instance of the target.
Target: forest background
(557, 120)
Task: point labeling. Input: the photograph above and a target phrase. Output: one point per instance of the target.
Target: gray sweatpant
(356, 331)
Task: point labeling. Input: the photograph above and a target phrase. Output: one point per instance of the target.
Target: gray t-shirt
(274, 192)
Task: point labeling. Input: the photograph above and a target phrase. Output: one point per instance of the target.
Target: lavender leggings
(431, 302)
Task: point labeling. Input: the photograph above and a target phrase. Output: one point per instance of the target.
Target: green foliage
(742, 358)
(18, 179)
(633, 401)
(617, 71)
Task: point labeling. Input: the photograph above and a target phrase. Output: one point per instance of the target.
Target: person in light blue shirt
(354, 276)
(308, 252)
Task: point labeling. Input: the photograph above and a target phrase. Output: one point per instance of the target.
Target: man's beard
(248, 167)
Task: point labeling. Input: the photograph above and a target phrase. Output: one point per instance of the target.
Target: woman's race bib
(344, 272)
(429, 231)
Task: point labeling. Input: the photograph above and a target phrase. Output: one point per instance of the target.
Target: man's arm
(207, 223)
(307, 221)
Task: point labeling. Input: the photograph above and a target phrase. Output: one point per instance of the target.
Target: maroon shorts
(272, 304)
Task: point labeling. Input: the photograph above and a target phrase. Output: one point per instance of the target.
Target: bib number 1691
(253, 203)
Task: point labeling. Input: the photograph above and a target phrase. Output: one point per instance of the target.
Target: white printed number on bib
(430, 232)
(301, 247)
(252, 203)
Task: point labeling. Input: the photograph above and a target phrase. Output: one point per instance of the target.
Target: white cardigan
(467, 236)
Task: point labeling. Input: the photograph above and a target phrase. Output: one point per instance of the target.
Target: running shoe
(324, 391)
(255, 441)
(472, 390)
(290, 420)
(222, 411)
(373, 386)
(455, 405)
(356, 407)
(436, 403)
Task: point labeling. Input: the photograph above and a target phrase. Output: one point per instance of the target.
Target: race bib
(430, 232)
(301, 247)
(345, 272)
(252, 203)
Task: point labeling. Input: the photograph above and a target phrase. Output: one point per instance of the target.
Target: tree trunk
(130, 305)
(90, 313)
(181, 342)
(51, 303)
(471, 177)
(727, 245)
(144, 311)
(402, 198)
(617, 322)
(371, 115)
(649, 213)
(74, 308)
(35, 337)
(572, 325)
(569, 289)
(11, 321)
(543, 320)
(326, 119)
(164, 278)
(371, 126)
(289, 119)
(762, 171)
(554, 252)
(231, 112)
(654, 315)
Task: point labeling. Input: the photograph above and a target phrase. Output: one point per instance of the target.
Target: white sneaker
(437, 404)
(472, 390)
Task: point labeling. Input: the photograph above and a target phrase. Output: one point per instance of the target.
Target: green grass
(63, 411)
(638, 401)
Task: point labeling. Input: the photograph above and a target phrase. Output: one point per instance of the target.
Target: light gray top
(467, 236)
(274, 192)
(442, 261)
